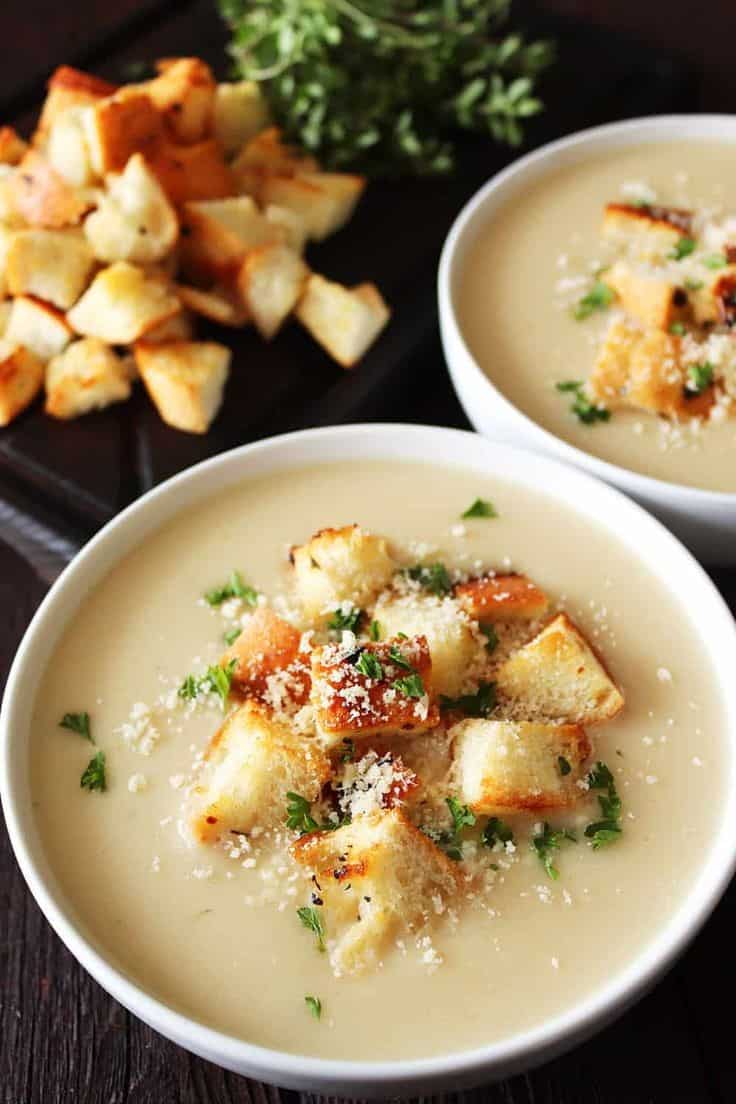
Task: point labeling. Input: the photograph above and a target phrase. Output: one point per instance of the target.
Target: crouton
(270, 282)
(218, 233)
(42, 197)
(373, 689)
(6, 235)
(558, 676)
(240, 112)
(502, 598)
(21, 378)
(264, 155)
(184, 95)
(134, 220)
(715, 300)
(456, 646)
(345, 321)
(68, 88)
(503, 767)
(217, 304)
(191, 172)
(251, 764)
(122, 303)
(54, 265)
(88, 375)
(67, 151)
(185, 379)
(177, 328)
(647, 296)
(119, 126)
(266, 646)
(38, 326)
(339, 565)
(375, 877)
(12, 146)
(6, 309)
(324, 201)
(647, 231)
(293, 226)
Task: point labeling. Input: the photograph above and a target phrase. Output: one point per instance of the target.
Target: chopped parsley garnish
(684, 248)
(678, 329)
(313, 922)
(348, 751)
(699, 379)
(563, 765)
(396, 657)
(497, 831)
(215, 680)
(608, 829)
(369, 665)
(411, 686)
(480, 704)
(232, 635)
(93, 776)
(375, 631)
(715, 260)
(299, 814)
(433, 577)
(491, 637)
(692, 285)
(599, 298)
(314, 1004)
(349, 621)
(462, 817)
(189, 688)
(79, 723)
(584, 410)
(481, 508)
(546, 842)
(233, 588)
(449, 841)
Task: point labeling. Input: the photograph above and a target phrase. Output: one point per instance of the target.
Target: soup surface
(536, 259)
(217, 937)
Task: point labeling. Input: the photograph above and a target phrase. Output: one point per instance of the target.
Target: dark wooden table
(61, 1037)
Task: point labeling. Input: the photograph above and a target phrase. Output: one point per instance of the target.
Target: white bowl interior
(649, 544)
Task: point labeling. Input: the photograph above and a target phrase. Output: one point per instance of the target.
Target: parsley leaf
(462, 817)
(299, 814)
(433, 577)
(314, 1004)
(678, 329)
(563, 765)
(683, 248)
(715, 260)
(699, 379)
(584, 410)
(215, 680)
(348, 752)
(692, 285)
(398, 659)
(599, 298)
(546, 842)
(497, 831)
(491, 636)
(93, 776)
(449, 841)
(312, 921)
(375, 631)
(480, 704)
(341, 620)
(79, 723)
(481, 508)
(608, 829)
(233, 588)
(411, 686)
(369, 665)
(232, 635)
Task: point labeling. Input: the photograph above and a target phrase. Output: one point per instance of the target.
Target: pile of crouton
(368, 727)
(671, 347)
(135, 209)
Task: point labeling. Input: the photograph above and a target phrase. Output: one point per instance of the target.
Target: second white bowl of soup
(588, 304)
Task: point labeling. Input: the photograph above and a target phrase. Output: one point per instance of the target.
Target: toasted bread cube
(293, 226)
(339, 565)
(558, 676)
(270, 282)
(42, 197)
(344, 321)
(68, 88)
(502, 598)
(376, 876)
(649, 232)
(67, 151)
(119, 126)
(134, 220)
(177, 328)
(268, 662)
(350, 703)
(715, 301)
(12, 146)
(122, 303)
(500, 767)
(240, 112)
(611, 374)
(39, 327)
(185, 379)
(252, 762)
(217, 304)
(188, 173)
(6, 309)
(325, 201)
(218, 233)
(54, 265)
(21, 378)
(647, 296)
(184, 95)
(6, 235)
(456, 646)
(264, 155)
(89, 375)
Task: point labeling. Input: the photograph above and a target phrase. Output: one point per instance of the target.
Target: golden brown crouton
(648, 230)
(503, 767)
(21, 378)
(191, 172)
(134, 220)
(217, 304)
(119, 126)
(710, 302)
(558, 676)
(502, 598)
(88, 375)
(270, 282)
(12, 146)
(345, 321)
(67, 151)
(340, 565)
(68, 88)
(264, 155)
(42, 197)
(218, 233)
(290, 224)
(38, 326)
(267, 644)
(324, 201)
(185, 379)
(122, 303)
(184, 95)
(54, 265)
(240, 112)
(6, 308)
(647, 296)
(251, 764)
(371, 689)
(177, 328)
(372, 878)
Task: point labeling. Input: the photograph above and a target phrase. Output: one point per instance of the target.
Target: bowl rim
(461, 450)
(661, 128)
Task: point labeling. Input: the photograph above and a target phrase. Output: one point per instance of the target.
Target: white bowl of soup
(588, 310)
(342, 730)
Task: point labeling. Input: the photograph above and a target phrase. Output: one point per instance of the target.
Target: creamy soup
(214, 933)
(536, 260)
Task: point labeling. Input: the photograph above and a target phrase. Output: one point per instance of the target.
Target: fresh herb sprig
(584, 410)
(312, 920)
(433, 577)
(450, 839)
(345, 619)
(94, 777)
(599, 298)
(79, 723)
(481, 508)
(547, 842)
(699, 379)
(608, 829)
(497, 831)
(480, 704)
(216, 680)
(233, 588)
(314, 1004)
